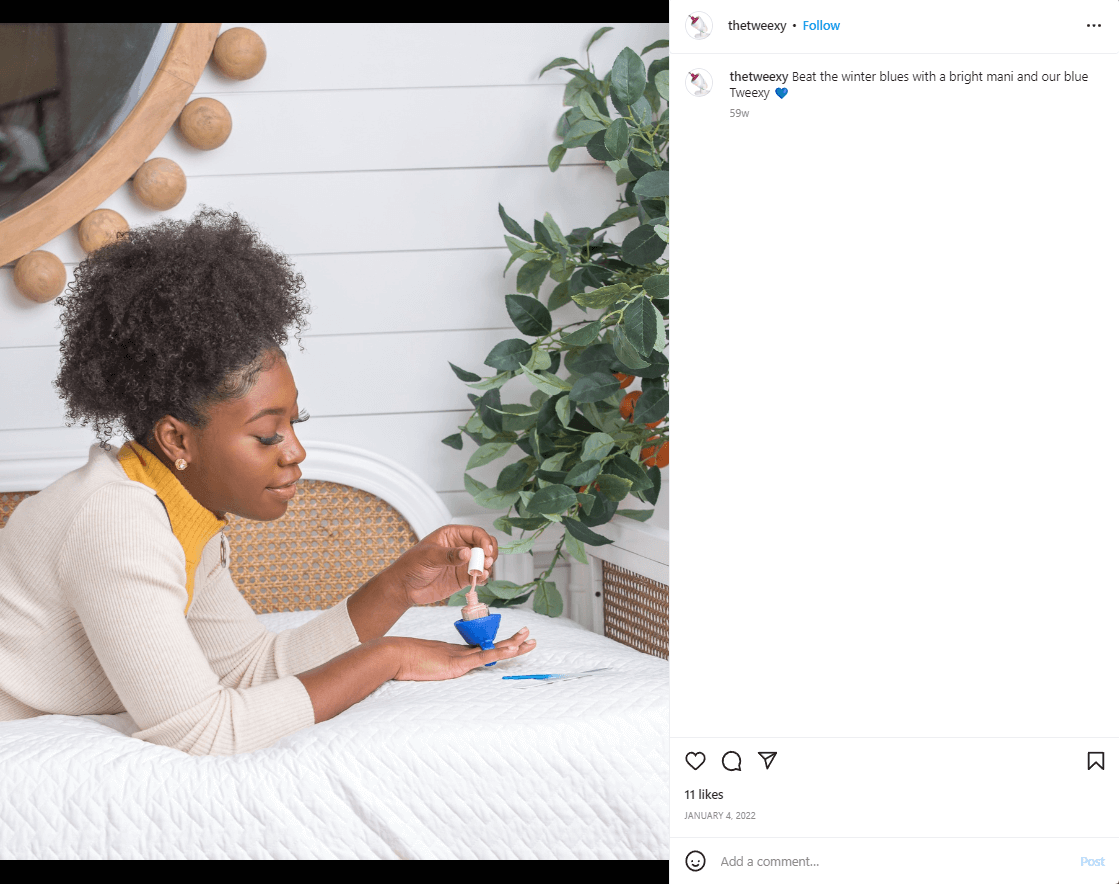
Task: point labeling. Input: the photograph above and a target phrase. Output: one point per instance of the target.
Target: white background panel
(351, 293)
(378, 55)
(331, 212)
(355, 129)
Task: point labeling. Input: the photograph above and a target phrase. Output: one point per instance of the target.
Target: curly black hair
(171, 319)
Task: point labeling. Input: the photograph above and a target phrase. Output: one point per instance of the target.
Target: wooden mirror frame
(125, 151)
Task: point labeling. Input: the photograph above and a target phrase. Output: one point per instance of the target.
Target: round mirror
(65, 87)
(82, 105)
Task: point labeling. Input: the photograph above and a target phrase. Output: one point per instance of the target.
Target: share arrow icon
(768, 757)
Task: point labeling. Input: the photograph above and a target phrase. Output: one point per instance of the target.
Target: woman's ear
(172, 439)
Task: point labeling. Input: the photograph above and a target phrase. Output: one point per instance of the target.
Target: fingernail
(530, 641)
(522, 630)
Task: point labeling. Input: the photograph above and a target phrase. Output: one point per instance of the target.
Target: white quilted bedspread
(471, 768)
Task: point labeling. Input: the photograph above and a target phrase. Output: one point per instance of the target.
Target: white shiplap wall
(375, 155)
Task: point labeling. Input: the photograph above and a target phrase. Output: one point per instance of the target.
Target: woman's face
(246, 459)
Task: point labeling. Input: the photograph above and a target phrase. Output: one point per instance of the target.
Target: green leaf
(504, 589)
(656, 367)
(605, 297)
(637, 164)
(529, 315)
(653, 493)
(547, 382)
(622, 214)
(636, 515)
(513, 477)
(554, 499)
(585, 534)
(594, 387)
(464, 375)
(652, 185)
(591, 111)
(661, 82)
(639, 322)
(579, 134)
(598, 34)
(641, 246)
(512, 226)
(656, 44)
(553, 231)
(662, 231)
(489, 451)
(627, 77)
(599, 512)
(501, 523)
(554, 462)
(584, 336)
(628, 356)
(518, 248)
(493, 499)
(548, 421)
(564, 409)
(555, 156)
(575, 547)
(508, 603)
(597, 358)
(657, 286)
(624, 176)
(596, 147)
(532, 275)
(454, 440)
(617, 139)
(628, 469)
(614, 487)
(540, 359)
(651, 406)
(597, 446)
(530, 524)
(473, 486)
(517, 547)
(492, 383)
(661, 339)
(547, 600)
(555, 63)
(509, 355)
(558, 297)
(583, 473)
(489, 401)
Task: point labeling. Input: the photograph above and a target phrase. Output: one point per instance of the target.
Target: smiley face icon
(695, 861)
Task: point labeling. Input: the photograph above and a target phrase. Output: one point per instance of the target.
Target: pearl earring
(180, 464)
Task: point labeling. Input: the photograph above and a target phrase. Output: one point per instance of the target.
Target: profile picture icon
(698, 82)
(698, 25)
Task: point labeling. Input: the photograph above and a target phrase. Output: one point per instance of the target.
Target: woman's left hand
(435, 568)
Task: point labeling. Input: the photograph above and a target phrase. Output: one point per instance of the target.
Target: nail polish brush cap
(477, 561)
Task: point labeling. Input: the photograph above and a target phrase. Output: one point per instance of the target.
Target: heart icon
(781, 91)
(695, 760)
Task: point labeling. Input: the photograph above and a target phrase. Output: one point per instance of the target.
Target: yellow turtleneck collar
(192, 524)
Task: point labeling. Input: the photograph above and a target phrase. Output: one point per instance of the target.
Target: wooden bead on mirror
(160, 183)
(239, 53)
(99, 228)
(205, 123)
(40, 276)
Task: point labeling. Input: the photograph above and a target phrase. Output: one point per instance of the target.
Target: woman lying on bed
(115, 592)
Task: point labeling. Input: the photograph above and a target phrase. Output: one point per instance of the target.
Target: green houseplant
(589, 436)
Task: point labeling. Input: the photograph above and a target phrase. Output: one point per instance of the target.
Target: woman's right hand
(422, 660)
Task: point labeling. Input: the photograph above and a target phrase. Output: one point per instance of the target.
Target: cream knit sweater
(92, 594)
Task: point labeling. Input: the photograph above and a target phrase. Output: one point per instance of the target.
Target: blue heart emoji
(781, 91)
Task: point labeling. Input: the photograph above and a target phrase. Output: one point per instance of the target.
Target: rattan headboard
(330, 541)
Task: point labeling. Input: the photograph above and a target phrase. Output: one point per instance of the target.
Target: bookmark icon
(768, 757)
